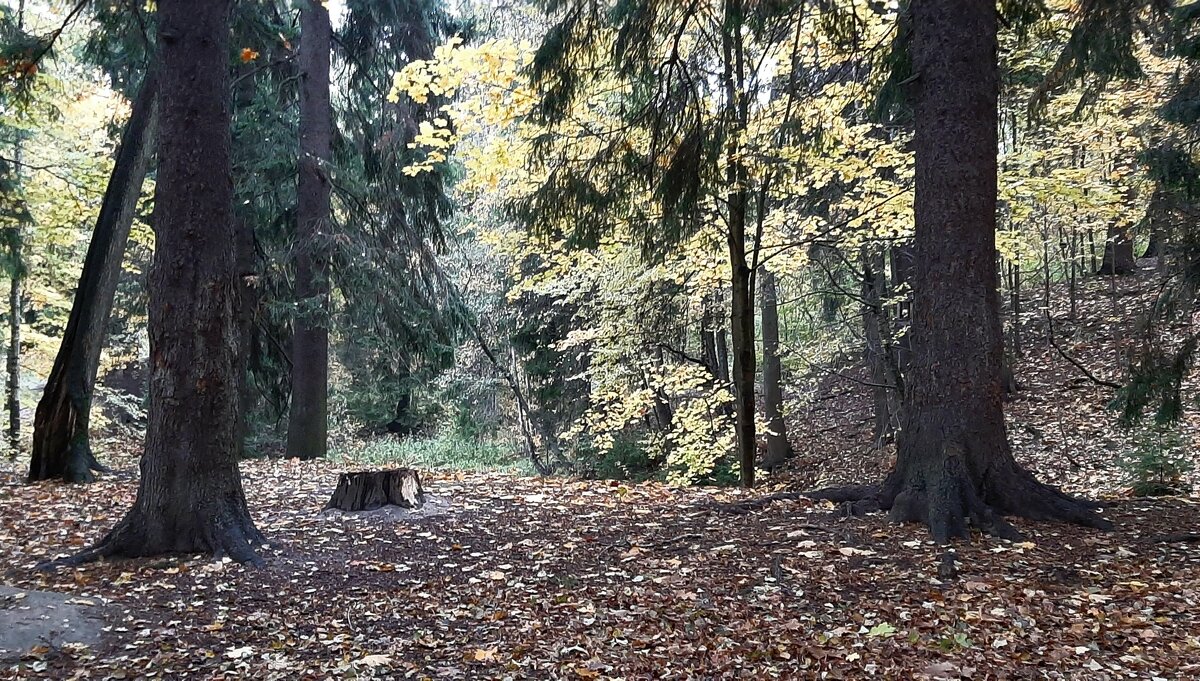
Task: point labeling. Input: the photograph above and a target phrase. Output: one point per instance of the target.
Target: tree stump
(369, 490)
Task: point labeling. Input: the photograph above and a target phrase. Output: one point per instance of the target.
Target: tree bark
(61, 441)
(1118, 253)
(708, 341)
(247, 306)
(954, 465)
(1014, 291)
(190, 497)
(664, 415)
(722, 355)
(369, 490)
(744, 359)
(13, 359)
(779, 449)
(308, 413)
(740, 271)
(880, 353)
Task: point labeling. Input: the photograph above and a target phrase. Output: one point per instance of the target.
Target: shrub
(626, 459)
(1158, 463)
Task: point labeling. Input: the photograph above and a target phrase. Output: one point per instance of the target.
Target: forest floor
(526, 578)
(511, 577)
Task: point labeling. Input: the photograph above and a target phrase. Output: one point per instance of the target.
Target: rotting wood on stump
(369, 490)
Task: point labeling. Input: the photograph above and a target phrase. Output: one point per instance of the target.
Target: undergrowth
(443, 451)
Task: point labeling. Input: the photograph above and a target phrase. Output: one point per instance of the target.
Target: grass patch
(444, 451)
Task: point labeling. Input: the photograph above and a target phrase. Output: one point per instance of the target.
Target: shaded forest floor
(521, 578)
(1060, 423)
(509, 577)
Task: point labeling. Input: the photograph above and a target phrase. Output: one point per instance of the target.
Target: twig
(1074, 362)
(52, 37)
(756, 504)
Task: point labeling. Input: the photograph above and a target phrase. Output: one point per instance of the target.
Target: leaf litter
(517, 578)
(526, 578)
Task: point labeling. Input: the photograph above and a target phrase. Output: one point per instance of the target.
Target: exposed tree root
(82, 464)
(949, 501)
(227, 532)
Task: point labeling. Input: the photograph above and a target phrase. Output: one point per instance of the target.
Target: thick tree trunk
(778, 447)
(190, 497)
(308, 421)
(369, 490)
(1154, 246)
(1118, 253)
(954, 465)
(61, 442)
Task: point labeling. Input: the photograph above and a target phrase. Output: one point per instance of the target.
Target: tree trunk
(744, 359)
(61, 441)
(14, 347)
(778, 447)
(708, 341)
(903, 271)
(403, 423)
(722, 354)
(247, 306)
(722, 350)
(524, 413)
(1071, 268)
(1118, 253)
(954, 464)
(741, 273)
(1014, 291)
(664, 415)
(190, 497)
(880, 353)
(1092, 249)
(308, 420)
(1154, 246)
(13, 239)
(369, 490)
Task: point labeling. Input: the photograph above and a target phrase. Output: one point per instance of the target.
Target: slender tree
(308, 412)
(13, 358)
(778, 447)
(697, 163)
(61, 444)
(17, 271)
(879, 351)
(190, 497)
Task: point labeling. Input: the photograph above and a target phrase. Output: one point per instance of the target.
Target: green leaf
(881, 630)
